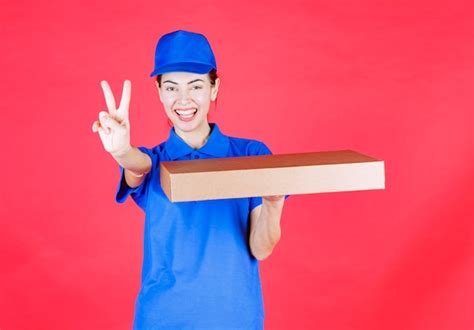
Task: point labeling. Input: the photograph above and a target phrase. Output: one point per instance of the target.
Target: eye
(170, 89)
(197, 87)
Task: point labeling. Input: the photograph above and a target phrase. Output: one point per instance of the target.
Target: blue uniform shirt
(198, 271)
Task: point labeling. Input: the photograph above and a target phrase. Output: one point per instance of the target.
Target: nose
(183, 96)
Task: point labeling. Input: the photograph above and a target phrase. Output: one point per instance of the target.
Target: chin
(189, 126)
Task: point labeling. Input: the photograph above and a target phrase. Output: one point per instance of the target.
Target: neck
(197, 138)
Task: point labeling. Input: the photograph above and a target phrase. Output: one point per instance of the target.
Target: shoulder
(248, 147)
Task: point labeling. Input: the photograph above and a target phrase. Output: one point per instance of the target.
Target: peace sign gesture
(114, 126)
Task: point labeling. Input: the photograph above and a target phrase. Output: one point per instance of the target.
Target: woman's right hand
(114, 126)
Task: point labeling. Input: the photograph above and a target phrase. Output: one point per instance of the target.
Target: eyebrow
(188, 82)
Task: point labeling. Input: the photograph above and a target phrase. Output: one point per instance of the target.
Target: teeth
(186, 113)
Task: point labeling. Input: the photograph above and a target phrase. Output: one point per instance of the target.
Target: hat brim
(183, 67)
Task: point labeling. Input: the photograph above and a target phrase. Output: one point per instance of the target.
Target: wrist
(136, 175)
(121, 152)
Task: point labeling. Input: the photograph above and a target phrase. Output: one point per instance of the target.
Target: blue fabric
(198, 271)
(183, 51)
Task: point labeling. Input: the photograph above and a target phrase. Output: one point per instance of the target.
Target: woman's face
(186, 97)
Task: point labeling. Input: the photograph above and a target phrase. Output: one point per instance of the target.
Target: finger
(102, 132)
(104, 121)
(112, 123)
(125, 100)
(95, 126)
(109, 123)
(109, 96)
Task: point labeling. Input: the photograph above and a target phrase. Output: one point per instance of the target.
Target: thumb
(112, 123)
(107, 121)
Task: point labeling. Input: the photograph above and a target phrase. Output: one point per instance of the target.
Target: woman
(200, 265)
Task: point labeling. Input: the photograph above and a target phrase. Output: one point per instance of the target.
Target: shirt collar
(217, 144)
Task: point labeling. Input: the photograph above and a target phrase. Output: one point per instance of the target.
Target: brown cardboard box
(285, 174)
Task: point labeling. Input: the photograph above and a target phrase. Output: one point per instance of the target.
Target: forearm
(135, 163)
(266, 232)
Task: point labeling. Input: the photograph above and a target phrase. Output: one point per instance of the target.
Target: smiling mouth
(186, 113)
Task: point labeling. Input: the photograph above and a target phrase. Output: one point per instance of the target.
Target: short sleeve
(257, 148)
(138, 193)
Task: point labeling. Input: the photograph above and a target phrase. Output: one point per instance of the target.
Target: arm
(265, 231)
(114, 131)
(136, 164)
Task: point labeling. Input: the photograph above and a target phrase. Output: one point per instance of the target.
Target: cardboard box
(284, 174)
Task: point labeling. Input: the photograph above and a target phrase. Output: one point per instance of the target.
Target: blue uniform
(198, 271)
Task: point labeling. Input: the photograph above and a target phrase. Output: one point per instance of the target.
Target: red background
(393, 80)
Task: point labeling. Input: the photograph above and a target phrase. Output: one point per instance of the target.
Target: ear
(159, 90)
(215, 89)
